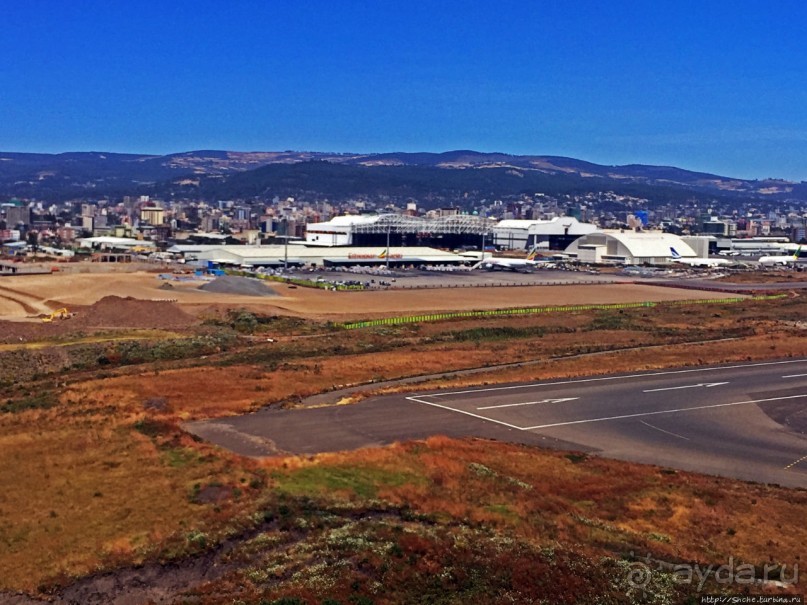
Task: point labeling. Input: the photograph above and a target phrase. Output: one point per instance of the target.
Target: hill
(449, 177)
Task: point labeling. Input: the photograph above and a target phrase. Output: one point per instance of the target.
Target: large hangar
(450, 231)
(629, 248)
(554, 234)
(298, 255)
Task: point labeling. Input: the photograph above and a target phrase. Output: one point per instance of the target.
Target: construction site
(28, 297)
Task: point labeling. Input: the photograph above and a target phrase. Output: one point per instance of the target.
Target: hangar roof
(641, 244)
(557, 225)
(352, 219)
(269, 254)
(652, 243)
(86, 242)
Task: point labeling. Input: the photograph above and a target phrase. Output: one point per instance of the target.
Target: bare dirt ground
(109, 312)
(771, 276)
(24, 296)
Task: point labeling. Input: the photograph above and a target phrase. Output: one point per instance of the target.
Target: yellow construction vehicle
(57, 314)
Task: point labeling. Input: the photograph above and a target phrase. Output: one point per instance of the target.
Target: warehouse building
(296, 255)
(629, 248)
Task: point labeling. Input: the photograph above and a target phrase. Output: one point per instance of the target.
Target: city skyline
(712, 88)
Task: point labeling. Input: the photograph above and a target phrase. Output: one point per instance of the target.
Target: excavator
(57, 314)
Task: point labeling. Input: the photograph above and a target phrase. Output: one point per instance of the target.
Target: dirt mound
(241, 286)
(114, 311)
(109, 312)
(23, 331)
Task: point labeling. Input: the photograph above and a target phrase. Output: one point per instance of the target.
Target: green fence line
(389, 321)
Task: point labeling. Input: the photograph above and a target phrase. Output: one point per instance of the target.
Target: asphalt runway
(746, 421)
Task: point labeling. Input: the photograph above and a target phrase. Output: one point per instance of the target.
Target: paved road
(707, 284)
(746, 421)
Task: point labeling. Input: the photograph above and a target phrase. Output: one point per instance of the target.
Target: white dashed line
(640, 415)
(514, 405)
(604, 378)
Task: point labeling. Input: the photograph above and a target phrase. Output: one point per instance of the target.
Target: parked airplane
(676, 257)
(513, 264)
(781, 260)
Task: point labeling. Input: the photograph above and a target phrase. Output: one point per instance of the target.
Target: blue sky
(712, 85)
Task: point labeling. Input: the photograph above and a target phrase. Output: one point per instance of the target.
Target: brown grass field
(97, 474)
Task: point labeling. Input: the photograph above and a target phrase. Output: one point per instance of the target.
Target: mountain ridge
(208, 172)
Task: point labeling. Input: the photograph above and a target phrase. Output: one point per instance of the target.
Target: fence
(390, 321)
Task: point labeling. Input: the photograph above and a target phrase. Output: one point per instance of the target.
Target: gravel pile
(238, 286)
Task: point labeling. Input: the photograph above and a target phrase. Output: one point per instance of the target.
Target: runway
(746, 421)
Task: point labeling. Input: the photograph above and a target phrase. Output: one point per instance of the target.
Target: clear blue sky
(708, 85)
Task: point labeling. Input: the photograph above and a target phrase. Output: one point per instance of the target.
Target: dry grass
(203, 392)
(104, 478)
(555, 345)
(592, 503)
(760, 347)
(68, 341)
(85, 488)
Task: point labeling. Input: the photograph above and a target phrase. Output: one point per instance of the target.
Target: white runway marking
(707, 385)
(629, 376)
(445, 407)
(794, 376)
(663, 431)
(513, 405)
(639, 415)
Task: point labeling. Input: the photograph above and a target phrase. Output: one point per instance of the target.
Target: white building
(299, 255)
(113, 243)
(555, 234)
(629, 248)
(700, 244)
(336, 232)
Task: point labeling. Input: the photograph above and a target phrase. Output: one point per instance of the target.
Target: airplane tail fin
(797, 253)
(675, 254)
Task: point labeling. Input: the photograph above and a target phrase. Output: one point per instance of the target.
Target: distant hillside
(453, 176)
(430, 185)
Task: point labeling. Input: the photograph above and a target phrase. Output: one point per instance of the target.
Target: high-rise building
(16, 215)
(152, 215)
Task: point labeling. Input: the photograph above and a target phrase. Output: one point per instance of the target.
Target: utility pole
(389, 228)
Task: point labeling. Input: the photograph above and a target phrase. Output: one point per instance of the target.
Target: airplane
(781, 260)
(676, 257)
(513, 264)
